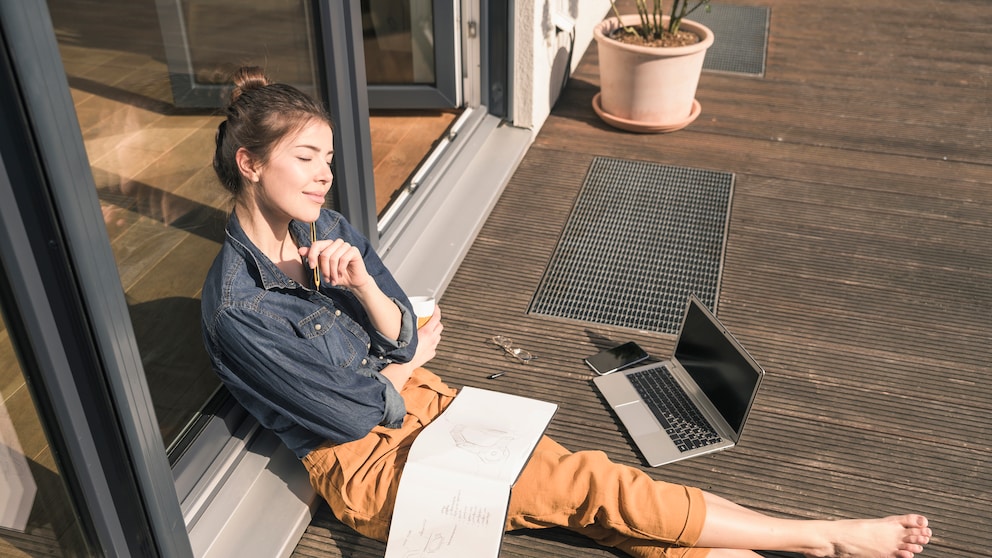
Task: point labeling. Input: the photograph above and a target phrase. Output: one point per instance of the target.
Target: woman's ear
(247, 165)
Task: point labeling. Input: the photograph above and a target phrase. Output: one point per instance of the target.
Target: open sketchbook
(455, 489)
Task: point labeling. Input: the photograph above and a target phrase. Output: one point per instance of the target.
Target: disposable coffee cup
(423, 307)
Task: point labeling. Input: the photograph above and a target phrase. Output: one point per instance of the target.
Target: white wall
(540, 50)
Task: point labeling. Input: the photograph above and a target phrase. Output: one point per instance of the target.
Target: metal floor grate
(641, 237)
(741, 38)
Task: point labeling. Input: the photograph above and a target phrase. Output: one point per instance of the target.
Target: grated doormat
(741, 38)
(640, 239)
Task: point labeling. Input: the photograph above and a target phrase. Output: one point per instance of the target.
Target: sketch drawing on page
(491, 446)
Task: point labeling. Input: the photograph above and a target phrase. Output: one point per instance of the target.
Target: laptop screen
(718, 364)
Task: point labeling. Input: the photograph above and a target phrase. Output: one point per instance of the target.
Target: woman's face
(296, 178)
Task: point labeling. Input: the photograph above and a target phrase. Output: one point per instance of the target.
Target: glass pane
(399, 41)
(149, 136)
(36, 518)
(222, 35)
(400, 142)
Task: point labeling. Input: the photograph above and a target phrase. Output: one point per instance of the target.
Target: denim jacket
(305, 363)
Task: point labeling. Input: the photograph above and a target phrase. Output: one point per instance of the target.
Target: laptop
(713, 376)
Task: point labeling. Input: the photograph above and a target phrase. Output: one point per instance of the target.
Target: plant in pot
(649, 66)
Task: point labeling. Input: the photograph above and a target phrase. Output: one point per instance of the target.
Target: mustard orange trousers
(612, 504)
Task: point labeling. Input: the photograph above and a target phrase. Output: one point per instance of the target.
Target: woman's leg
(614, 505)
(622, 507)
(359, 479)
(728, 525)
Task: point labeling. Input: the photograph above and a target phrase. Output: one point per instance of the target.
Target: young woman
(314, 337)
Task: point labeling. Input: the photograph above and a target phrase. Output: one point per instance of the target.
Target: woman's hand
(428, 337)
(338, 262)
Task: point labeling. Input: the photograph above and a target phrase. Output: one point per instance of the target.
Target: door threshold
(423, 250)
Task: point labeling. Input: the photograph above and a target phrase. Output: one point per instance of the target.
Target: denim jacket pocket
(332, 334)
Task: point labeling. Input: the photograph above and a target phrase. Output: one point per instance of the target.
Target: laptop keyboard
(681, 419)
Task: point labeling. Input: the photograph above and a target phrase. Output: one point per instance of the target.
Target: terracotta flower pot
(648, 89)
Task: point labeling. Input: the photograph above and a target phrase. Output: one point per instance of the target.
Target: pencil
(316, 270)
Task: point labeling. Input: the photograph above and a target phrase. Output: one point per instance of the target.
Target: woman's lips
(316, 197)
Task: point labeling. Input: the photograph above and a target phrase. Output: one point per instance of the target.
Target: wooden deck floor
(858, 272)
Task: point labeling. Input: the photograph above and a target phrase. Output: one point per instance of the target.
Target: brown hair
(261, 113)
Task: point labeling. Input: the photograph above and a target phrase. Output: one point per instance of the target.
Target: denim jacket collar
(272, 277)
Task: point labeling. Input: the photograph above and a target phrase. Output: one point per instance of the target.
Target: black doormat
(741, 38)
(640, 238)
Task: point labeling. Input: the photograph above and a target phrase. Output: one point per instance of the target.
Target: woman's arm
(429, 337)
(281, 371)
(341, 264)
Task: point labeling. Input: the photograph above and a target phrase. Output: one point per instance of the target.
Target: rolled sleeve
(395, 407)
(397, 349)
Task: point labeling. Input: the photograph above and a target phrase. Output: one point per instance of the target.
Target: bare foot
(897, 536)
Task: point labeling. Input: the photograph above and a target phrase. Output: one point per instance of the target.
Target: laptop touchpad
(637, 418)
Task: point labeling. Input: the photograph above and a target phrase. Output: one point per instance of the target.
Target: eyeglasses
(509, 350)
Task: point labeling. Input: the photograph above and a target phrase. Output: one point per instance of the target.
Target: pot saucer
(644, 127)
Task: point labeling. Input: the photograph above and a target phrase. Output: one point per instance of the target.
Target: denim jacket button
(317, 327)
(365, 361)
(337, 312)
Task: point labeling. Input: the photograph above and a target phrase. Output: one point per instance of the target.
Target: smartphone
(616, 358)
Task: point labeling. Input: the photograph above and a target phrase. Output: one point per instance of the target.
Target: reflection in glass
(213, 38)
(275, 35)
(151, 157)
(36, 518)
(399, 41)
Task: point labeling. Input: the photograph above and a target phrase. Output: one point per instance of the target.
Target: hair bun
(248, 78)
